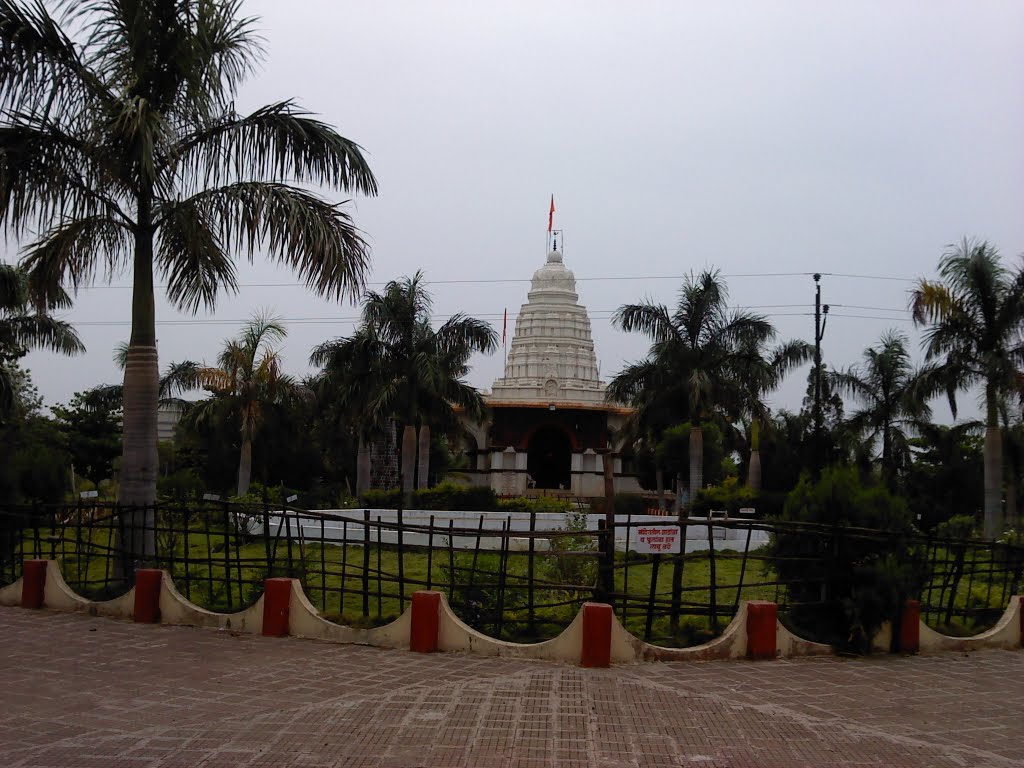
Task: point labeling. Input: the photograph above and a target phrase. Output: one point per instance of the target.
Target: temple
(548, 425)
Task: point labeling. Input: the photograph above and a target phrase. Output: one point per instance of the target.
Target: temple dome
(551, 358)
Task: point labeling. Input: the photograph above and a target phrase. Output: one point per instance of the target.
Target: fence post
(910, 627)
(401, 565)
(227, 553)
(531, 618)
(33, 583)
(606, 561)
(366, 562)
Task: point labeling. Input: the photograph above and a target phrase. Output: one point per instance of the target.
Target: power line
(596, 316)
(498, 280)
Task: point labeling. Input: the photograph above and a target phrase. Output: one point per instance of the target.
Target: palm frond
(40, 66)
(68, 255)
(650, 319)
(277, 143)
(313, 237)
(41, 332)
(190, 257)
(48, 174)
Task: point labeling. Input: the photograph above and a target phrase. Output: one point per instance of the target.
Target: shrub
(573, 569)
(625, 504)
(462, 498)
(376, 498)
(730, 496)
(529, 504)
(446, 496)
(846, 584)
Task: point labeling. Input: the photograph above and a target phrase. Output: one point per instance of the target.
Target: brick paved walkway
(79, 691)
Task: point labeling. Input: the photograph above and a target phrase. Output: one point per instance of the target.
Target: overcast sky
(755, 137)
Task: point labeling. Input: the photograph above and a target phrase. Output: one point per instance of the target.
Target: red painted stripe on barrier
(596, 648)
(910, 627)
(762, 622)
(277, 595)
(147, 595)
(33, 583)
(426, 621)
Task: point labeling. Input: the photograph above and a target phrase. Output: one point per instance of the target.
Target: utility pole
(820, 318)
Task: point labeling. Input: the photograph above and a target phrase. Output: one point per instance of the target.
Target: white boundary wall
(333, 530)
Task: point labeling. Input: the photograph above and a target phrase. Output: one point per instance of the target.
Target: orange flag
(551, 213)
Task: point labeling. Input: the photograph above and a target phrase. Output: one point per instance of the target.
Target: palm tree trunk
(423, 466)
(1011, 502)
(362, 467)
(754, 465)
(993, 481)
(139, 458)
(696, 462)
(245, 467)
(754, 472)
(408, 464)
(659, 482)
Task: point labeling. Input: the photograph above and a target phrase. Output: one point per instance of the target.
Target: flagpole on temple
(551, 222)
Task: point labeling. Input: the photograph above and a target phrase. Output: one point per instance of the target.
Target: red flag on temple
(551, 214)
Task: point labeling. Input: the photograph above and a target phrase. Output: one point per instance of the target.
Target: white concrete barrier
(700, 535)
(455, 635)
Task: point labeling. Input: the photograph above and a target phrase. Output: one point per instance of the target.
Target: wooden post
(608, 571)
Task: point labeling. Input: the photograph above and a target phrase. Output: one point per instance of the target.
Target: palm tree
(122, 149)
(349, 384)
(418, 372)
(23, 328)
(893, 401)
(699, 360)
(974, 317)
(761, 373)
(245, 383)
(178, 378)
(638, 385)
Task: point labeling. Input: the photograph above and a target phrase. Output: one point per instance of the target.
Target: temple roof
(551, 358)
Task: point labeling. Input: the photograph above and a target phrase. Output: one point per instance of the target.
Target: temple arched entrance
(549, 459)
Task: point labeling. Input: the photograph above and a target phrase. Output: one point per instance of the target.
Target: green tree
(845, 584)
(24, 327)
(700, 360)
(414, 373)
(973, 318)
(352, 376)
(122, 149)
(946, 477)
(889, 391)
(246, 383)
(34, 466)
(92, 433)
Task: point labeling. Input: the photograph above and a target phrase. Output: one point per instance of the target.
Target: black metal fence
(512, 576)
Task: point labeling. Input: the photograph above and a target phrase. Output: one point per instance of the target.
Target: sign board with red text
(655, 539)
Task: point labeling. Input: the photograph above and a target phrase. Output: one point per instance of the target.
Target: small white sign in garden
(655, 539)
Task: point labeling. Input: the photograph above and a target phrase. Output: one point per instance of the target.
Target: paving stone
(81, 691)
